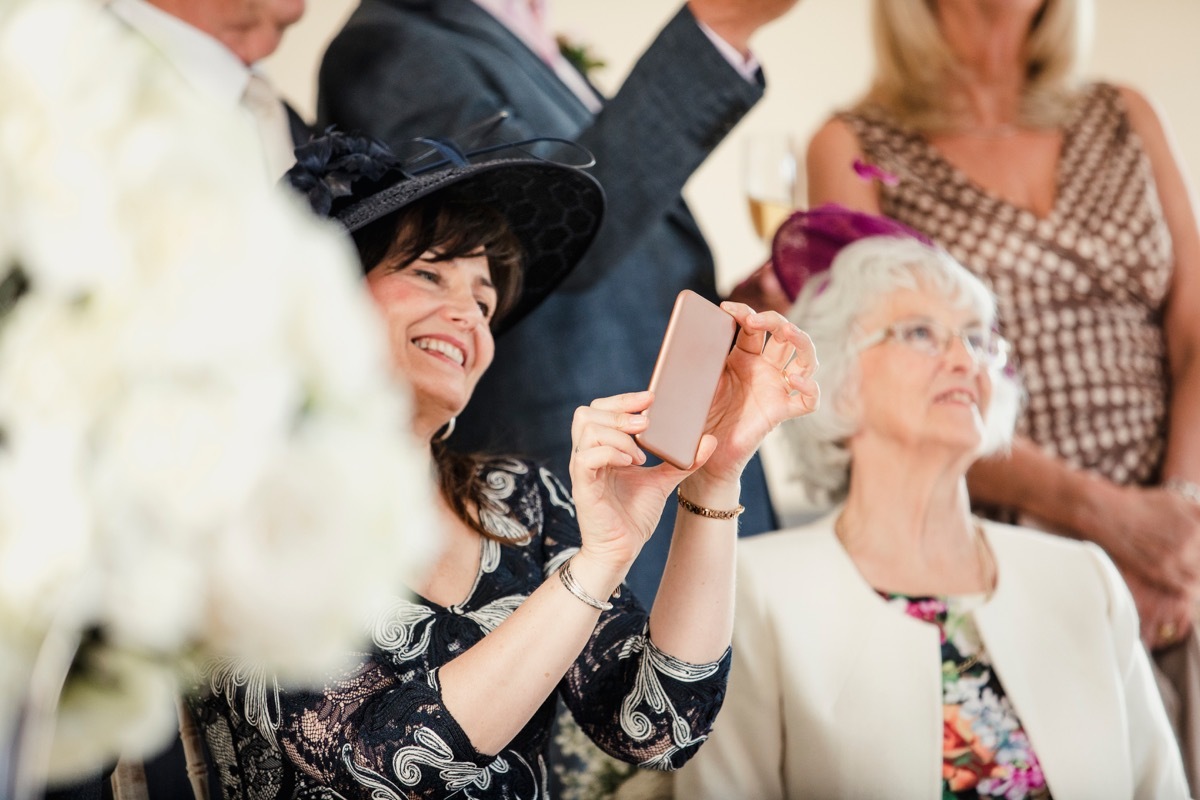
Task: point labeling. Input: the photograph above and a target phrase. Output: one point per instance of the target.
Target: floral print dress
(985, 752)
(380, 730)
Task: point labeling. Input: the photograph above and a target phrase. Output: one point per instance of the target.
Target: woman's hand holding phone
(765, 378)
(617, 499)
(768, 378)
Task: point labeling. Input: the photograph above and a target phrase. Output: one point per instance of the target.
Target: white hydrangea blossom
(203, 453)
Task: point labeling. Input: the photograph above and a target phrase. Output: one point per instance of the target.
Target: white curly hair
(828, 309)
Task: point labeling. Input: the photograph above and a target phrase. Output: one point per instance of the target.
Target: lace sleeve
(634, 701)
(368, 733)
(374, 731)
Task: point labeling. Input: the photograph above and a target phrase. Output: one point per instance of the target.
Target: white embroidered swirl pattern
(495, 514)
(558, 494)
(648, 693)
(490, 616)
(395, 629)
(489, 557)
(381, 788)
(551, 566)
(431, 751)
(260, 704)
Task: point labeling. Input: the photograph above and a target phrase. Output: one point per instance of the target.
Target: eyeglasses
(987, 348)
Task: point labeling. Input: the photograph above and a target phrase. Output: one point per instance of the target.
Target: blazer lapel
(874, 674)
(467, 18)
(1053, 658)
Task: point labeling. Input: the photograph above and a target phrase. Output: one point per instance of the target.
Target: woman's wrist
(715, 494)
(596, 575)
(1188, 490)
(1080, 501)
(1099, 513)
(708, 499)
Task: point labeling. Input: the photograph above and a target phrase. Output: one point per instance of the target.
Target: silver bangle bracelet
(1185, 489)
(568, 580)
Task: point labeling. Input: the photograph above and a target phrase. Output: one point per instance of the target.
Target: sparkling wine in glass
(773, 184)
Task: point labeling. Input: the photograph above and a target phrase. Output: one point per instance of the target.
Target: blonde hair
(864, 274)
(915, 70)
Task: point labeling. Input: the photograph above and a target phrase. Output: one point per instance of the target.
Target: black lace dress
(380, 729)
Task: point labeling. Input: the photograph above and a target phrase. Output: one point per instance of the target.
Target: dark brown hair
(452, 227)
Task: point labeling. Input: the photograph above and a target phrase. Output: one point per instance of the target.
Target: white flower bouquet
(202, 454)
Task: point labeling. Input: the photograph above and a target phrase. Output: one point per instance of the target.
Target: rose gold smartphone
(690, 361)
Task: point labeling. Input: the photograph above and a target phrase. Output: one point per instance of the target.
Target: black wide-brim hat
(554, 209)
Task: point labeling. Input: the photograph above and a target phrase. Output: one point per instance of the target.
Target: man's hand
(736, 21)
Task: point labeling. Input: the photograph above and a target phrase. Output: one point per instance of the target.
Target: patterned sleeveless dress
(1080, 293)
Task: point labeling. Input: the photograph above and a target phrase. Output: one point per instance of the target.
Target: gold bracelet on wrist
(708, 513)
(568, 580)
(1185, 489)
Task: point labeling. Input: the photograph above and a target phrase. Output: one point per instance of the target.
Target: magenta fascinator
(807, 241)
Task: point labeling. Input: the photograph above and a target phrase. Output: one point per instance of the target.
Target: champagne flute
(773, 181)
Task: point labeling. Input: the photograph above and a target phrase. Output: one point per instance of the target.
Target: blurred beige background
(815, 59)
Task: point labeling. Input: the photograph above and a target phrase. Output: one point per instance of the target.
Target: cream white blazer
(833, 694)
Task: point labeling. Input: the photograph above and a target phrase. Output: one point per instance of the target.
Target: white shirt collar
(205, 63)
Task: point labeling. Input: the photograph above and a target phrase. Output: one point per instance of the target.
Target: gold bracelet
(568, 580)
(1185, 489)
(709, 513)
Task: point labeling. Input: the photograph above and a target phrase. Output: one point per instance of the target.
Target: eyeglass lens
(935, 339)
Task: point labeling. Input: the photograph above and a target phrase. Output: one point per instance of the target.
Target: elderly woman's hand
(1165, 617)
(1155, 534)
(1155, 540)
(768, 378)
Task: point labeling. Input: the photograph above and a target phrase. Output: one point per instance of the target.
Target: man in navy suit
(406, 68)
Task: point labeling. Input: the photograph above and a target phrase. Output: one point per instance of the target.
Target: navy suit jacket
(297, 127)
(406, 68)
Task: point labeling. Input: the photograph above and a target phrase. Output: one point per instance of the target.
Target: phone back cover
(699, 335)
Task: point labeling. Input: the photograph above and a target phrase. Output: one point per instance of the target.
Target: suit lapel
(468, 19)
(300, 130)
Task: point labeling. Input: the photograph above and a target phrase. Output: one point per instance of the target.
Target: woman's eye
(920, 333)
(426, 274)
(486, 309)
(980, 341)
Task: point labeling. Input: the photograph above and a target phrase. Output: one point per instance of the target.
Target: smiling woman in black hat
(457, 694)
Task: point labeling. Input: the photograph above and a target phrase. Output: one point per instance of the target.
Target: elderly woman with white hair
(900, 647)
